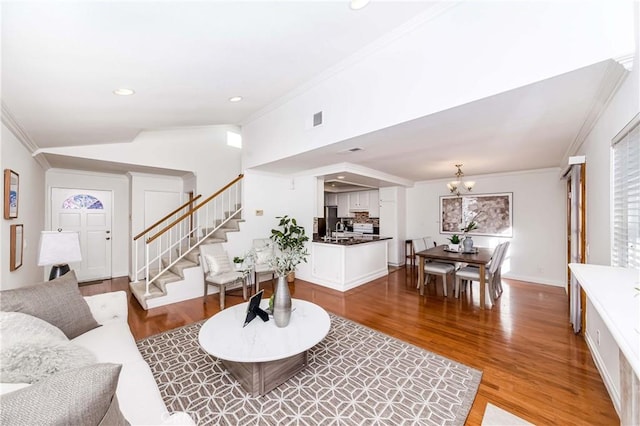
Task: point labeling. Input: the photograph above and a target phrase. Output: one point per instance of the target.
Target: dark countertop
(351, 241)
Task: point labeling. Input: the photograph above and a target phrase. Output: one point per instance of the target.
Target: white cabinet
(392, 222)
(343, 205)
(374, 203)
(359, 201)
(365, 201)
(330, 199)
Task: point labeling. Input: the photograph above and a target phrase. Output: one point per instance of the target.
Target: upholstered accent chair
(219, 271)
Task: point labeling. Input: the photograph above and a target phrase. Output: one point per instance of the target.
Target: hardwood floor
(532, 363)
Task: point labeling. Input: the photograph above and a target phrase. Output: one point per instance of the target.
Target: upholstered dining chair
(418, 245)
(263, 250)
(434, 268)
(492, 274)
(498, 279)
(218, 271)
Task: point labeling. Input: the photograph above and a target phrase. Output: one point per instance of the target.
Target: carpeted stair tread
(214, 240)
(193, 256)
(138, 289)
(167, 277)
(181, 265)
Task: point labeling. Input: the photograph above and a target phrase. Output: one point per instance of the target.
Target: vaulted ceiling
(62, 60)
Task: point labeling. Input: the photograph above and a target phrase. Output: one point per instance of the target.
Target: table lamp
(58, 248)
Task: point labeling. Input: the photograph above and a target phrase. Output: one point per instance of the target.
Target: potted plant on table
(237, 261)
(454, 242)
(289, 239)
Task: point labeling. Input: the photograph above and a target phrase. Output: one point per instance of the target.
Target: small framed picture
(15, 247)
(11, 194)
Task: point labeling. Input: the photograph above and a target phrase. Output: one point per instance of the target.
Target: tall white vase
(282, 303)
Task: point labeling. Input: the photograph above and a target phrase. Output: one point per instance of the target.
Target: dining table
(480, 256)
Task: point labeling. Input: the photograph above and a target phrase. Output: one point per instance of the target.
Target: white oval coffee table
(262, 356)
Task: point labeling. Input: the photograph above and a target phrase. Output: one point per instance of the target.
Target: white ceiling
(62, 60)
(527, 128)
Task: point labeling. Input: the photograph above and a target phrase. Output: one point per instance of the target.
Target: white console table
(612, 293)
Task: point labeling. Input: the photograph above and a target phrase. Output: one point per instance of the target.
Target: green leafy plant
(238, 259)
(470, 227)
(454, 239)
(472, 224)
(289, 238)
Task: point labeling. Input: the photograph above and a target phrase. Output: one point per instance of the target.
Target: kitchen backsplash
(362, 217)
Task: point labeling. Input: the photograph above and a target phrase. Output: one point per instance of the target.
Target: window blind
(626, 197)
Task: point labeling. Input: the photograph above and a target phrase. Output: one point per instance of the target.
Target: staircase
(166, 255)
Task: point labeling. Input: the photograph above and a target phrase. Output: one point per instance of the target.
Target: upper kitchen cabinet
(330, 199)
(359, 201)
(343, 205)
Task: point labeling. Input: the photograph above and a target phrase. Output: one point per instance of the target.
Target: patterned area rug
(355, 376)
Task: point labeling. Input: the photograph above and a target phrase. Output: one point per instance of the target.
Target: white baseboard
(356, 282)
(536, 280)
(606, 378)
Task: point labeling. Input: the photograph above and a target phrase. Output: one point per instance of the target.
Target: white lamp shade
(59, 248)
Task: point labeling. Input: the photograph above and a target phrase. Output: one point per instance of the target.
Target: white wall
(597, 148)
(472, 51)
(201, 150)
(624, 105)
(538, 248)
(152, 197)
(30, 212)
(275, 196)
(198, 151)
(119, 186)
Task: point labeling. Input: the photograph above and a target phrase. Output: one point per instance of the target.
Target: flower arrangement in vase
(289, 239)
(465, 229)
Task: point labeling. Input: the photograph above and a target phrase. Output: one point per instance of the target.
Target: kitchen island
(346, 263)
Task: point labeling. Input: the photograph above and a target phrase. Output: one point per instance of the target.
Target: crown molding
(428, 15)
(14, 127)
(9, 120)
(493, 175)
(626, 61)
(611, 81)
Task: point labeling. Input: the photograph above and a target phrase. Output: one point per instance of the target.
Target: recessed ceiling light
(358, 4)
(340, 177)
(235, 99)
(124, 92)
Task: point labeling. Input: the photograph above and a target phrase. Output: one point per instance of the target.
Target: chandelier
(454, 185)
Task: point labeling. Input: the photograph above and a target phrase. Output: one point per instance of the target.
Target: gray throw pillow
(32, 349)
(58, 302)
(85, 396)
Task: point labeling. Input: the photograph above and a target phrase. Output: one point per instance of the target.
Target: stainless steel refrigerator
(331, 218)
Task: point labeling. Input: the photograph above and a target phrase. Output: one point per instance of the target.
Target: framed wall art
(493, 214)
(15, 247)
(11, 194)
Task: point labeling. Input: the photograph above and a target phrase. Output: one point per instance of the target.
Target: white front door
(89, 213)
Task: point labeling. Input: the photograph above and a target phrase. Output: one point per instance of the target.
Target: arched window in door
(82, 201)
